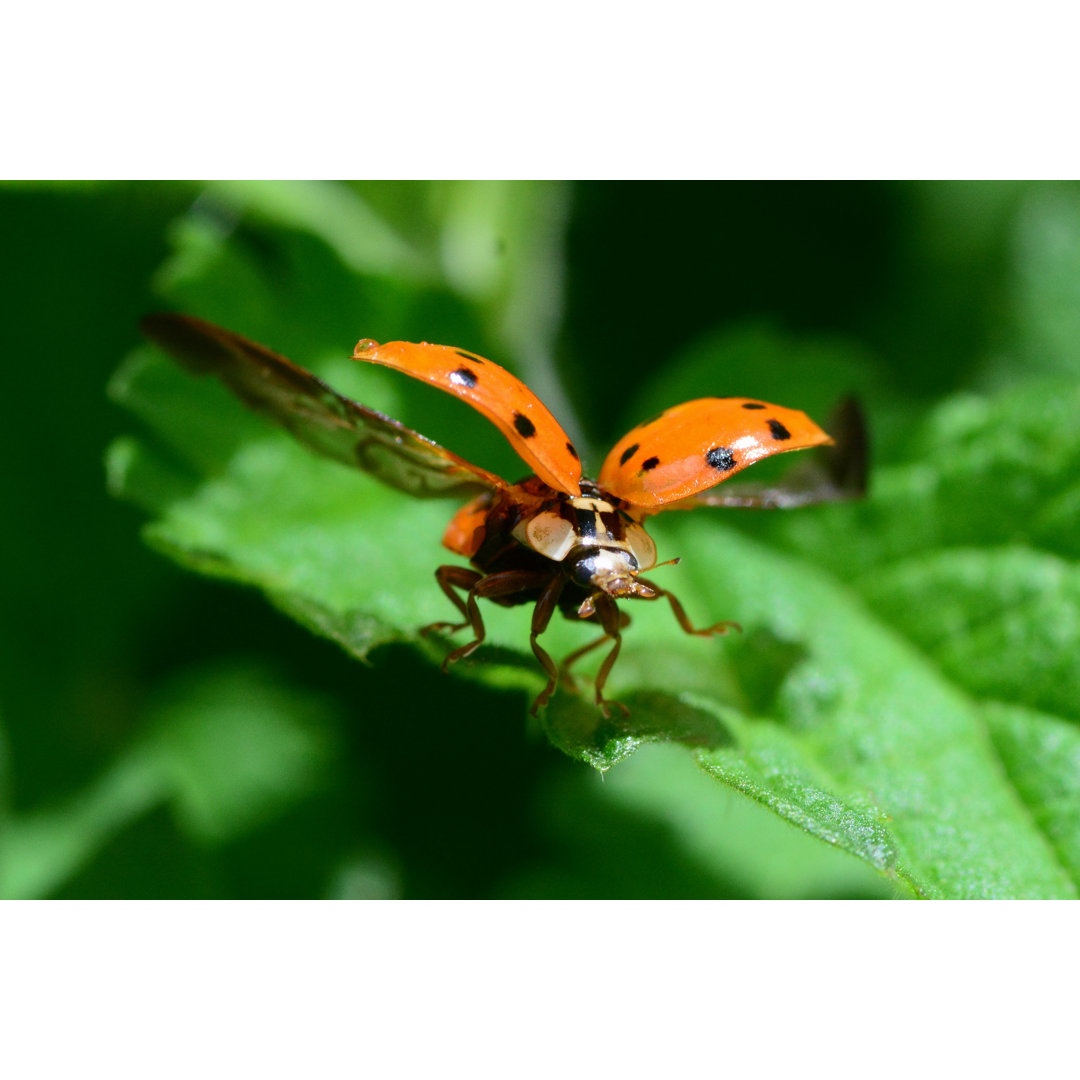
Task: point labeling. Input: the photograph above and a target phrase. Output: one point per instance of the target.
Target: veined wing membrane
(321, 418)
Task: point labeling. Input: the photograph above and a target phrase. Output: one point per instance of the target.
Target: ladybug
(556, 540)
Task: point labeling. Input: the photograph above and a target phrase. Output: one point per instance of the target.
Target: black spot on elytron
(628, 453)
(720, 457)
(469, 356)
(752, 405)
(778, 430)
(525, 427)
(651, 463)
(463, 377)
(571, 451)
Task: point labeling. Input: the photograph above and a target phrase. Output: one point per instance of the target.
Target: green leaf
(227, 750)
(236, 748)
(869, 746)
(1002, 623)
(659, 827)
(1041, 756)
(337, 214)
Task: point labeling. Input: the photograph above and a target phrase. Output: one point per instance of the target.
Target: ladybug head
(612, 570)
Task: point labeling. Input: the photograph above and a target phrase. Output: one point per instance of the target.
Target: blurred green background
(163, 734)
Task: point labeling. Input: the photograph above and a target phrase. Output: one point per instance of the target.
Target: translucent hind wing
(320, 417)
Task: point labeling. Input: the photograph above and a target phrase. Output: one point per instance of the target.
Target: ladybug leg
(505, 584)
(608, 611)
(684, 619)
(577, 654)
(449, 578)
(545, 608)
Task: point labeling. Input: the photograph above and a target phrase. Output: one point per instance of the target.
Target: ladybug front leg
(577, 654)
(608, 613)
(684, 619)
(545, 608)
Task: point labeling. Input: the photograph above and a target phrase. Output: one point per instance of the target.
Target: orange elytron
(556, 540)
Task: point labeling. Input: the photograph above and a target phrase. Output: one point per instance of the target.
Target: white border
(586, 89)
(537, 989)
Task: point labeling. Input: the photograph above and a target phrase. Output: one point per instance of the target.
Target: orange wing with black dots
(320, 417)
(697, 445)
(832, 472)
(505, 400)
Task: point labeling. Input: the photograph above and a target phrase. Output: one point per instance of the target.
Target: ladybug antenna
(668, 562)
